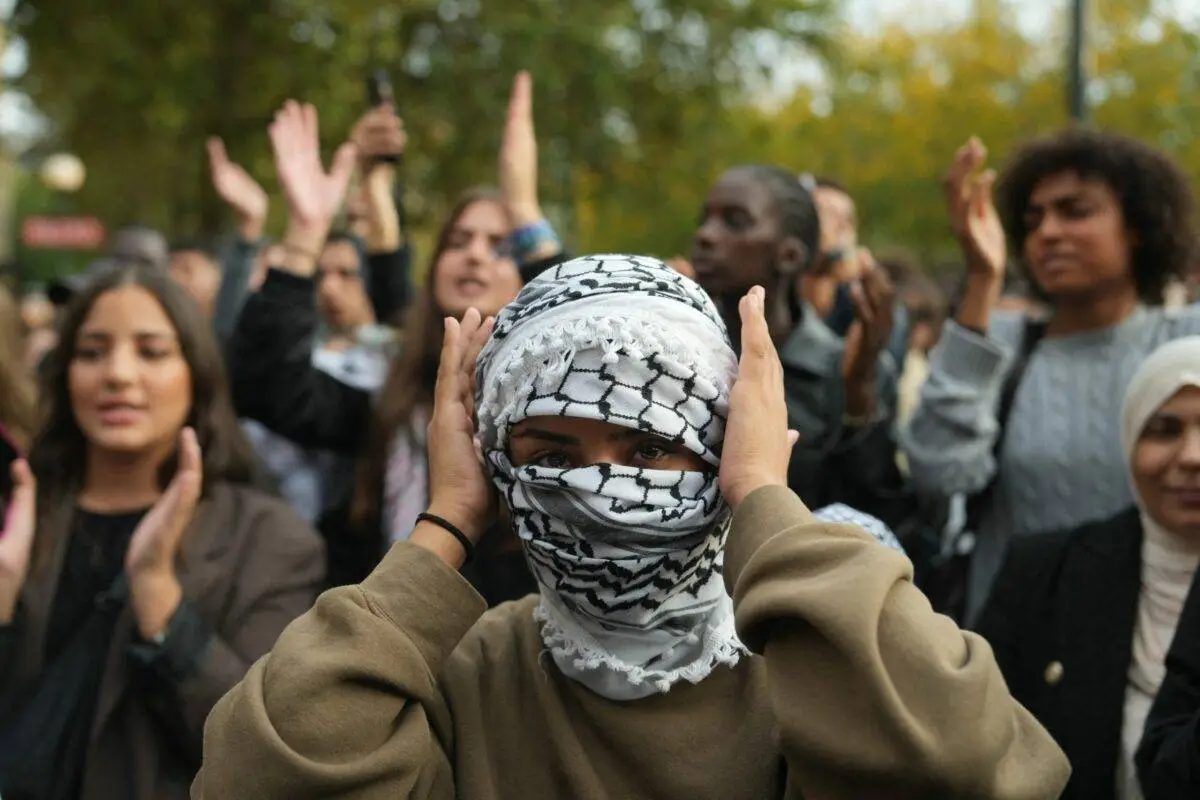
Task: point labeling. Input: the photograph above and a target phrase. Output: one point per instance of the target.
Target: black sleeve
(8, 646)
(390, 283)
(1168, 760)
(534, 268)
(1004, 620)
(272, 376)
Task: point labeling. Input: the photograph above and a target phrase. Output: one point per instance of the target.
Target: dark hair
(825, 182)
(206, 245)
(1155, 196)
(414, 371)
(59, 452)
(797, 211)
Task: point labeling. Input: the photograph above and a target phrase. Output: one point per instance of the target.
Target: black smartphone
(9, 452)
(379, 91)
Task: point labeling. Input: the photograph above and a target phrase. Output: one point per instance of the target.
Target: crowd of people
(776, 520)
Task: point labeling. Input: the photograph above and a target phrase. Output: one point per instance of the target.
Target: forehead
(1185, 402)
(739, 189)
(483, 215)
(124, 310)
(1059, 186)
(829, 198)
(339, 253)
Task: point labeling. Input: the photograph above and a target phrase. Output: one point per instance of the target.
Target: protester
(151, 575)
(18, 397)
(38, 318)
(1101, 223)
(475, 262)
(603, 398)
(1081, 621)
(760, 226)
(195, 265)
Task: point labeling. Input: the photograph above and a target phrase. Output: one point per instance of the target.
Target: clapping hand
(973, 216)
(154, 587)
(239, 191)
(875, 315)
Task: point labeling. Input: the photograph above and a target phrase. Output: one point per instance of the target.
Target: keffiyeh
(628, 560)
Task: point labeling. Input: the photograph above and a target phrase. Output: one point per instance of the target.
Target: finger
(862, 304)
(216, 152)
(447, 391)
(312, 135)
(520, 104)
(21, 503)
(190, 471)
(757, 348)
(793, 438)
(470, 359)
(344, 162)
(981, 193)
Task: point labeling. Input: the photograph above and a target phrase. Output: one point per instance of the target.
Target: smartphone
(379, 91)
(9, 452)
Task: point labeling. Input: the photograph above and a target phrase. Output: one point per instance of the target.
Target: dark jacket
(249, 567)
(1168, 761)
(832, 462)
(273, 381)
(1060, 620)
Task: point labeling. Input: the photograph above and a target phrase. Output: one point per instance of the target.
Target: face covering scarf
(628, 560)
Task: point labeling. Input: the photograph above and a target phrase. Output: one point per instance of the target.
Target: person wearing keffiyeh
(706, 635)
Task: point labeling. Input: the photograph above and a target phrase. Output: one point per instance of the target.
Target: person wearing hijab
(697, 632)
(1081, 620)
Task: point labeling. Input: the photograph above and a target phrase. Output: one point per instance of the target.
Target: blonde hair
(18, 392)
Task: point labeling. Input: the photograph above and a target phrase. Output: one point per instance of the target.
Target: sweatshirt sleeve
(952, 433)
(347, 704)
(875, 694)
(237, 264)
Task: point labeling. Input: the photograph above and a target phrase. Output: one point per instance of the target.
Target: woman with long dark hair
(152, 574)
(491, 242)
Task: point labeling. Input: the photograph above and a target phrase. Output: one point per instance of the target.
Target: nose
(1189, 454)
(602, 453)
(120, 368)
(1050, 227)
(706, 235)
(480, 250)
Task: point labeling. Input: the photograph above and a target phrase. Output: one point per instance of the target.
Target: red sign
(62, 233)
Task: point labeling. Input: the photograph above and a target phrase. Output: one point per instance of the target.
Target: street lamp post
(1077, 76)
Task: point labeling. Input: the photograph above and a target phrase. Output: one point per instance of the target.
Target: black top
(1168, 761)
(1060, 620)
(95, 557)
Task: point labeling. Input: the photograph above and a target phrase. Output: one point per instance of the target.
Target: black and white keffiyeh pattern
(628, 560)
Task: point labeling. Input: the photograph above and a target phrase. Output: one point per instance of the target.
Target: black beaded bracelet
(451, 529)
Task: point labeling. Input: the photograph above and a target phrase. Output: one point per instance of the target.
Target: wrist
(860, 397)
(302, 244)
(154, 596)
(251, 228)
(522, 214)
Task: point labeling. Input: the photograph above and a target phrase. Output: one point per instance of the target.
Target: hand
(313, 195)
(378, 134)
(874, 300)
(459, 491)
(682, 266)
(239, 191)
(758, 444)
(16, 538)
(154, 588)
(972, 212)
(518, 156)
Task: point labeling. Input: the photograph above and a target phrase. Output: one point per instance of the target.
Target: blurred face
(199, 275)
(37, 312)
(736, 245)
(570, 442)
(839, 219)
(476, 270)
(1077, 243)
(1166, 464)
(129, 385)
(341, 297)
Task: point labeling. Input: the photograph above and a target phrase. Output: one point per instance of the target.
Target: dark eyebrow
(140, 335)
(546, 436)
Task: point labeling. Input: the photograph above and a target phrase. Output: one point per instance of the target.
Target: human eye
(552, 459)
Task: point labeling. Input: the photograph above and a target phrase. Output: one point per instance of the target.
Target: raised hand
(973, 213)
(519, 155)
(875, 311)
(155, 592)
(313, 195)
(238, 190)
(378, 135)
(459, 490)
(16, 538)
(758, 444)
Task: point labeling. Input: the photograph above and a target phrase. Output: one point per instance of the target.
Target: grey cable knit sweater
(1061, 463)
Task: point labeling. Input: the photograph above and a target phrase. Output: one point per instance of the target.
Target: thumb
(216, 152)
(793, 438)
(184, 491)
(344, 162)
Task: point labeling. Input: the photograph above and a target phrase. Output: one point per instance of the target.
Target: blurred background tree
(638, 103)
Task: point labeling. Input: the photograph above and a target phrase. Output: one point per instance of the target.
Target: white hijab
(1169, 561)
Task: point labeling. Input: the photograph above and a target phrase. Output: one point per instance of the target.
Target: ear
(792, 257)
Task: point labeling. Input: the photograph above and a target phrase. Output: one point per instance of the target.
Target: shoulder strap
(1034, 332)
